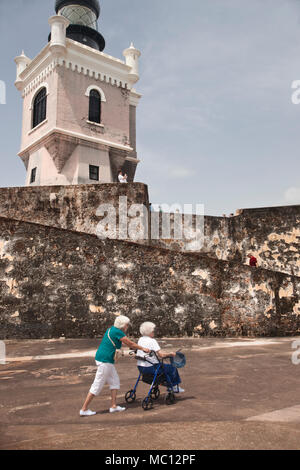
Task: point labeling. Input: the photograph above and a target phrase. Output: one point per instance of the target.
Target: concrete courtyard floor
(240, 394)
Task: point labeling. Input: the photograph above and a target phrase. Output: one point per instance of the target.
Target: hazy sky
(216, 124)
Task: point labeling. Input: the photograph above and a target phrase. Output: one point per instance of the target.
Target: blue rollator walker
(160, 378)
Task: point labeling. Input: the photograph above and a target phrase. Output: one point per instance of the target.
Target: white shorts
(106, 374)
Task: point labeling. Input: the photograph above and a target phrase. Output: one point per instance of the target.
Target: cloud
(292, 195)
(162, 167)
(180, 172)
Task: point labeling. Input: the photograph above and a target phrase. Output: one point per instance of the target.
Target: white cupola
(59, 26)
(132, 56)
(22, 62)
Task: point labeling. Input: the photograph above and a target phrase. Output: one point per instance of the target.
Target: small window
(33, 175)
(39, 108)
(94, 173)
(95, 107)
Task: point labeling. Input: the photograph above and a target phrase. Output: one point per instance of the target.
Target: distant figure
(122, 177)
(253, 261)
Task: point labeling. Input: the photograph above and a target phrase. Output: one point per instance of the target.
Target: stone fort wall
(56, 282)
(272, 234)
(72, 207)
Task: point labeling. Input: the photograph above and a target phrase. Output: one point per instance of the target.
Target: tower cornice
(81, 59)
(39, 60)
(78, 138)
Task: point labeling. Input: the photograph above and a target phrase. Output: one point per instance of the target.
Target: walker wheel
(147, 403)
(170, 398)
(130, 396)
(155, 393)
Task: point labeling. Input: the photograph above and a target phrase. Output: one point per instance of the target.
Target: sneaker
(118, 408)
(177, 389)
(87, 413)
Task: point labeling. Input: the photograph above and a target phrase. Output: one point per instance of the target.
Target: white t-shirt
(122, 179)
(148, 343)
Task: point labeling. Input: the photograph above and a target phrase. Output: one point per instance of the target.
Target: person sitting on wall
(122, 177)
(147, 340)
(106, 371)
(253, 261)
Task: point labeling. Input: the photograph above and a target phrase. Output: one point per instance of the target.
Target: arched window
(95, 107)
(40, 107)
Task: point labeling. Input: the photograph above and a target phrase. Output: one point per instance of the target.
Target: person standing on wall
(253, 261)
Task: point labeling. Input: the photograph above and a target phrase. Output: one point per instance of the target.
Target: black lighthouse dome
(91, 4)
(83, 16)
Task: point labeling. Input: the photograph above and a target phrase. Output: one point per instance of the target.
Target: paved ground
(240, 394)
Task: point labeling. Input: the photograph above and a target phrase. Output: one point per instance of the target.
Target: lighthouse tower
(79, 104)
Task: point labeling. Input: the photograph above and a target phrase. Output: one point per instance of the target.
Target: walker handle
(133, 352)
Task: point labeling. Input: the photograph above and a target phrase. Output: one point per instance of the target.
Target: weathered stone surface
(272, 234)
(71, 207)
(56, 282)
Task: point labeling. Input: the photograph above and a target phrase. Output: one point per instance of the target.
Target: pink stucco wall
(29, 136)
(73, 107)
(68, 108)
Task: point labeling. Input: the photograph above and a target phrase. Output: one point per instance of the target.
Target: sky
(216, 124)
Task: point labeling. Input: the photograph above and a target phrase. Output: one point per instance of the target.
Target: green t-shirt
(106, 350)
